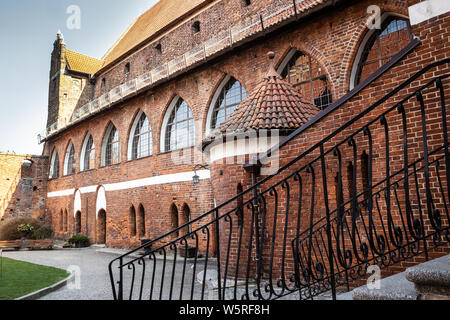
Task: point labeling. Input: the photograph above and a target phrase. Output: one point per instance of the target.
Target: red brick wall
(434, 35)
(30, 193)
(332, 39)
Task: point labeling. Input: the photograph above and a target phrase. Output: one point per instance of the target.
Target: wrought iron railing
(373, 192)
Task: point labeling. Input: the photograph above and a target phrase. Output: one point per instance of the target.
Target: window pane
(233, 93)
(383, 45)
(309, 78)
(89, 155)
(181, 123)
(112, 155)
(142, 144)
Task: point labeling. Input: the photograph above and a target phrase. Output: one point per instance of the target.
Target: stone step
(428, 280)
(395, 287)
(431, 279)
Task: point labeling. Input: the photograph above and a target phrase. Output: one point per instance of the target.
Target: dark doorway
(78, 222)
(101, 227)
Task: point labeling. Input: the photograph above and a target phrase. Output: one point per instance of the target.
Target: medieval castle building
(145, 141)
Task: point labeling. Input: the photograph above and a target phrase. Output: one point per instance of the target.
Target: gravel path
(94, 278)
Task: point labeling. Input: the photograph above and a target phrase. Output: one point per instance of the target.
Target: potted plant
(79, 241)
(25, 229)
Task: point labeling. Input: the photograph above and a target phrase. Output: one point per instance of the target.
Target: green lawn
(19, 278)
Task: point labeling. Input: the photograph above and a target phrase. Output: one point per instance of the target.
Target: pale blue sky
(27, 31)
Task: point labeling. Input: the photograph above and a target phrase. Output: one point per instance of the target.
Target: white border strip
(426, 10)
(164, 179)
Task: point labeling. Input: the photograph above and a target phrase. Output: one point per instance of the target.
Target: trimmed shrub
(79, 241)
(9, 228)
(42, 233)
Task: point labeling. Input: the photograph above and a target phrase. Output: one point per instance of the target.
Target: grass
(18, 278)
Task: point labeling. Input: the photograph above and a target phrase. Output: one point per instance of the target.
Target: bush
(42, 233)
(9, 228)
(79, 241)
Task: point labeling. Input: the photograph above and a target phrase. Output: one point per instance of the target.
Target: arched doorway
(78, 222)
(101, 227)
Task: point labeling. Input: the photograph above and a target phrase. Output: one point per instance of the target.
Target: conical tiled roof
(274, 104)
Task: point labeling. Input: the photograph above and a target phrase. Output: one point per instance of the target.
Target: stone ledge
(395, 287)
(432, 278)
(431, 273)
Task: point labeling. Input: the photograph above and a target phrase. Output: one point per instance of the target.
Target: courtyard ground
(94, 281)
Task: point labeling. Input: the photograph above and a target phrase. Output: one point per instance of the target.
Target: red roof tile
(274, 104)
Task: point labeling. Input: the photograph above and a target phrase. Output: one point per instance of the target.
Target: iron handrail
(319, 145)
(304, 154)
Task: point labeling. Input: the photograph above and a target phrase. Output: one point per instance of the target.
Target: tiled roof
(156, 18)
(274, 104)
(82, 63)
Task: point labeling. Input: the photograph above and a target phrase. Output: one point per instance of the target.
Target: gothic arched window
(87, 154)
(69, 160)
(308, 77)
(179, 130)
(111, 147)
(140, 144)
(380, 45)
(230, 94)
(54, 165)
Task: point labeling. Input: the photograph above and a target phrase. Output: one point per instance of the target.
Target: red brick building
(126, 132)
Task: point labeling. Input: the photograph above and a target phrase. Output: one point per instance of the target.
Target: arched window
(380, 45)
(66, 226)
(87, 159)
(141, 222)
(228, 97)
(186, 218)
(69, 160)
(306, 75)
(111, 147)
(54, 165)
(174, 219)
(132, 222)
(178, 127)
(140, 144)
(61, 221)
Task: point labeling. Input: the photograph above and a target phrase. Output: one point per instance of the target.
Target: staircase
(426, 281)
(373, 193)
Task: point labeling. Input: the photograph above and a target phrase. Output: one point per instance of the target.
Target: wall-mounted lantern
(196, 178)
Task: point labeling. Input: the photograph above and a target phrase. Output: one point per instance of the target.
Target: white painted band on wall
(62, 193)
(163, 179)
(77, 203)
(426, 10)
